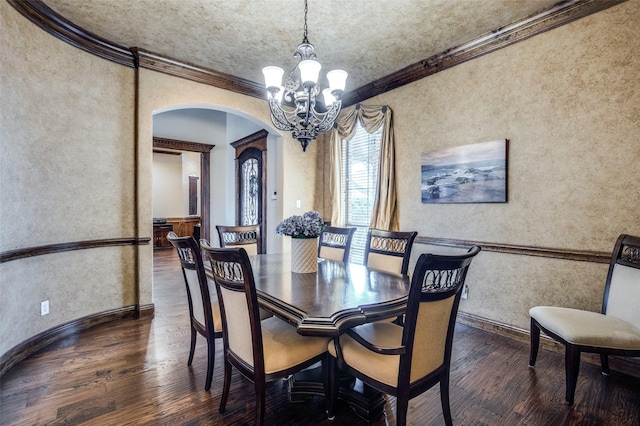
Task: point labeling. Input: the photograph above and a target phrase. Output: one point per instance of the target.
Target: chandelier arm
(279, 116)
(329, 117)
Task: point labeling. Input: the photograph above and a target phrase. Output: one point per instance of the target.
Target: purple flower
(309, 225)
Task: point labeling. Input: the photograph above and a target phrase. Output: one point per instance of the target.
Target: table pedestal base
(367, 402)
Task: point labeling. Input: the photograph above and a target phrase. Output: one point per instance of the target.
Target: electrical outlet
(465, 291)
(44, 308)
(298, 203)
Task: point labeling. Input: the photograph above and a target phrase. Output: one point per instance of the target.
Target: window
(360, 156)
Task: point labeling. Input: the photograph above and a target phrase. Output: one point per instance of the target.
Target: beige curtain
(385, 212)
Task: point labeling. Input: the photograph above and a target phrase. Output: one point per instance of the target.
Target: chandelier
(305, 119)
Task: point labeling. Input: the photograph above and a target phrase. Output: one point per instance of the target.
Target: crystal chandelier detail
(304, 120)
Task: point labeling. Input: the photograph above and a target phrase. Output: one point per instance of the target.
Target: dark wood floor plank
(135, 372)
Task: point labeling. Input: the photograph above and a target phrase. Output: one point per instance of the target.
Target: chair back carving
(238, 301)
(195, 279)
(388, 250)
(431, 313)
(246, 237)
(335, 243)
(623, 281)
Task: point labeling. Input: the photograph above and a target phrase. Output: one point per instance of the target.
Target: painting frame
(473, 173)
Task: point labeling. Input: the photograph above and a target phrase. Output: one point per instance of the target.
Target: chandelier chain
(304, 35)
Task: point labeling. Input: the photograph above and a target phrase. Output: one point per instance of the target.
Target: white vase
(304, 255)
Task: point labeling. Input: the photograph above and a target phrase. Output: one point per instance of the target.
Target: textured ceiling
(369, 39)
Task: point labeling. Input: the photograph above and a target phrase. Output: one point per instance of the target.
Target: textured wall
(569, 103)
(66, 174)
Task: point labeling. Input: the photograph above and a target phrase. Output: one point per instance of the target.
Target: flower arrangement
(309, 225)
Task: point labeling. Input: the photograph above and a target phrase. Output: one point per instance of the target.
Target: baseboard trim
(47, 337)
(626, 365)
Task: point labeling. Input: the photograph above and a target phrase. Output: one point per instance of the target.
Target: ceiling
(369, 39)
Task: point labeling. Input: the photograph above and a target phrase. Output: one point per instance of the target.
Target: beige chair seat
(615, 331)
(383, 368)
(285, 348)
(260, 349)
(406, 360)
(586, 328)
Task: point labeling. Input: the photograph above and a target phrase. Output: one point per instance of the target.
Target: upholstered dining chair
(204, 312)
(335, 243)
(247, 237)
(405, 361)
(614, 331)
(388, 250)
(260, 350)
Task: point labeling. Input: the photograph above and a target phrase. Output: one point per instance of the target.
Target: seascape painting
(475, 173)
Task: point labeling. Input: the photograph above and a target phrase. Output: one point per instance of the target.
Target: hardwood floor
(135, 372)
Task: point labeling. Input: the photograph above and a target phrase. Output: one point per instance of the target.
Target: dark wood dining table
(338, 296)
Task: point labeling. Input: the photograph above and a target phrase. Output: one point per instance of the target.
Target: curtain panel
(385, 211)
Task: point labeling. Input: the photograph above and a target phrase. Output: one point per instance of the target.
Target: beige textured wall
(66, 174)
(569, 103)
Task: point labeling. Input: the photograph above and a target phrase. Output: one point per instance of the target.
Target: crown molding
(166, 143)
(44, 17)
(208, 76)
(560, 14)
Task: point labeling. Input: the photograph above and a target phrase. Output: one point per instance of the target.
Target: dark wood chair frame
(450, 273)
(237, 275)
(626, 252)
(191, 258)
(241, 235)
(343, 242)
(404, 238)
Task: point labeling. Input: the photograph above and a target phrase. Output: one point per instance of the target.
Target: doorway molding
(258, 142)
(205, 171)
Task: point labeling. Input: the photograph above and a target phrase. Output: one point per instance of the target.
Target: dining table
(336, 297)
(324, 303)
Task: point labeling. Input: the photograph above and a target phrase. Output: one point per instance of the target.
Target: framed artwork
(475, 173)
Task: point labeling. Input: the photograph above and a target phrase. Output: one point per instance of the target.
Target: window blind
(360, 156)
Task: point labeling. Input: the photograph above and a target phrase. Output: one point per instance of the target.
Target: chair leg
(211, 357)
(226, 385)
(194, 336)
(260, 398)
(444, 399)
(331, 389)
(572, 368)
(604, 361)
(402, 406)
(535, 343)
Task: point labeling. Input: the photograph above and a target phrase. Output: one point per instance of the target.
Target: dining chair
(405, 361)
(388, 250)
(247, 237)
(335, 243)
(613, 331)
(264, 350)
(204, 312)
